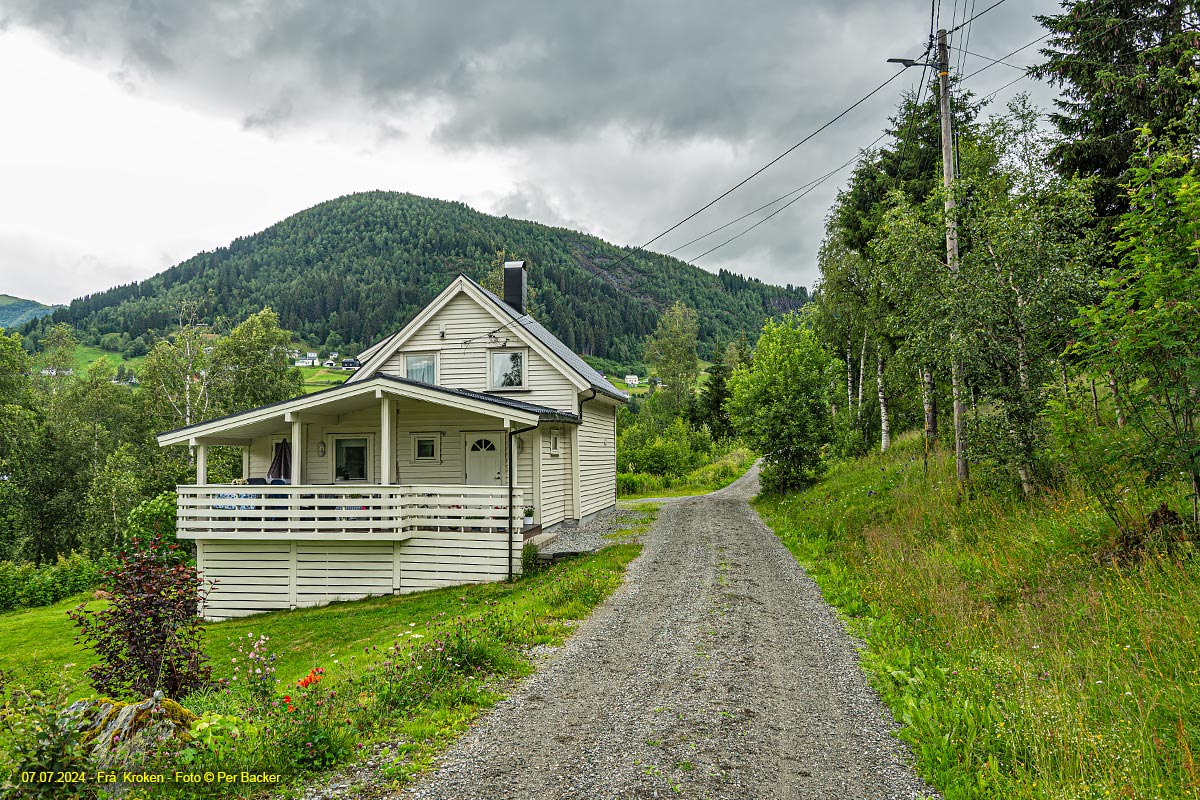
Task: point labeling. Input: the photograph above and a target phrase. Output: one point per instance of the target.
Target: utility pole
(956, 367)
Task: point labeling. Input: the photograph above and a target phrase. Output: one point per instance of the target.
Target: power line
(975, 17)
(809, 187)
(966, 52)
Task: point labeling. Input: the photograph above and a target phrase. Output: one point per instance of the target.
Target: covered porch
(380, 460)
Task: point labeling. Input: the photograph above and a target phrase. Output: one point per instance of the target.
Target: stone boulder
(117, 733)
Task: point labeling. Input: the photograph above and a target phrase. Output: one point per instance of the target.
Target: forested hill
(362, 265)
(15, 311)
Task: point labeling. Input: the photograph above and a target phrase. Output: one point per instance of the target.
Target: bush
(28, 586)
(530, 565)
(149, 637)
(153, 517)
(676, 450)
(37, 738)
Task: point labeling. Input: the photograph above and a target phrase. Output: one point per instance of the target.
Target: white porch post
(245, 462)
(201, 464)
(297, 451)
(387, 454)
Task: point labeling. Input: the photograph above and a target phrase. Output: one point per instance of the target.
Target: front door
(485, 459)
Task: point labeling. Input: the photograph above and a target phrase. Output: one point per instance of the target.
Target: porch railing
(342, 512)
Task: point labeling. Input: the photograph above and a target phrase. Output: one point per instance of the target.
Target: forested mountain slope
(15, 311)
(362, 265)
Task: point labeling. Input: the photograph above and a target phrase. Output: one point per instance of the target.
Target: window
(508, 369)
(554, 432)
(421, 367)
(426, 447)
(350, 458)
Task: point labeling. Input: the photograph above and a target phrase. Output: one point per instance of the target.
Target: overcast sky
(136, 133)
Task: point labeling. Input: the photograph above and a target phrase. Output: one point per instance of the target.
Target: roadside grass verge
(404, 674)
(1022, 657)
(704, 479)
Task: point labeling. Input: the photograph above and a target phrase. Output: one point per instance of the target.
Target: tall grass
(1023, 654)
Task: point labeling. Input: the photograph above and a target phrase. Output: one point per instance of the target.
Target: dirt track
(716, 671)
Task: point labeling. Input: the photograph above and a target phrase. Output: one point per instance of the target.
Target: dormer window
(421, 367)
(508, 369)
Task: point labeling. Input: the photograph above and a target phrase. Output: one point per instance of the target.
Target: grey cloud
(574, 89)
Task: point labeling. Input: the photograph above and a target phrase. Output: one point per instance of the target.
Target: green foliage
(364, 264)
(728, 462)
(36, 737)
(671, 350)
(674, 450)
(1144, 330)
(1119, 67)
(530, 565)
(250, 366)
(28, 585)
(149, 637)
(154, 518)
(780, 402)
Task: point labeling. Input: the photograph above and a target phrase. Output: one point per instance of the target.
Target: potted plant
(528, 516)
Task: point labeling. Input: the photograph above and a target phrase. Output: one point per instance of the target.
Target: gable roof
(378, 353)
(566, 354)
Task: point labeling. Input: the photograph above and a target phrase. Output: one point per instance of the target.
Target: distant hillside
(362, 265)
(15, 312)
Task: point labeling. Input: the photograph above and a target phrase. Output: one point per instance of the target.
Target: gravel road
(716, 671)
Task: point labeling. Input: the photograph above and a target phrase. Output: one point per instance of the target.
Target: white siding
(253, 576)
(598, 457)
(556, 476)
(467, 367)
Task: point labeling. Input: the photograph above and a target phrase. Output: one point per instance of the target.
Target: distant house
(333, 354)
(632, 380)
(350, 363)
(413, 474)
(312, 355)
(305, 362)
(329, 363)
(293, 354)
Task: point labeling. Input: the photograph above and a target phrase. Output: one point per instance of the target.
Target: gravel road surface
(716, 671)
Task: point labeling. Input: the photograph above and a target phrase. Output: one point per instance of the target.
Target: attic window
(508, 369)
(421, 367)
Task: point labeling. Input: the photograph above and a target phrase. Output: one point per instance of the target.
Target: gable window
(350, 458)
(421, 367)
(508, 369)
(426, 447)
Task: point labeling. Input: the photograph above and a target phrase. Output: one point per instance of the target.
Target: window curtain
(281, 465)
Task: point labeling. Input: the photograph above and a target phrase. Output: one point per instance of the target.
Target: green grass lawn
(1023, 655)
(318, 378)
(85, 355)
(406, 673)
(41, 639)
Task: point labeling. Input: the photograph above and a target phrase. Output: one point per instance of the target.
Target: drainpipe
(512, 469)
(574, 455)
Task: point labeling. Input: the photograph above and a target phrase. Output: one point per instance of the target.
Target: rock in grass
(116, 732)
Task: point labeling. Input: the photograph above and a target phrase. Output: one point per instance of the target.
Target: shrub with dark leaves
(149, 637)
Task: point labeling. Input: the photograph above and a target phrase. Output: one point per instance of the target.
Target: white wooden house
(413, 474)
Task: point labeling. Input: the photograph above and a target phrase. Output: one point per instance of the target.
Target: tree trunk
(862, 370)
(885, 429)
(1112, 387)
(849, 377)
(1095, 403)
(961, 468)
(929, 402)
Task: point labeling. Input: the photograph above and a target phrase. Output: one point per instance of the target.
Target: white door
(485, 459)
